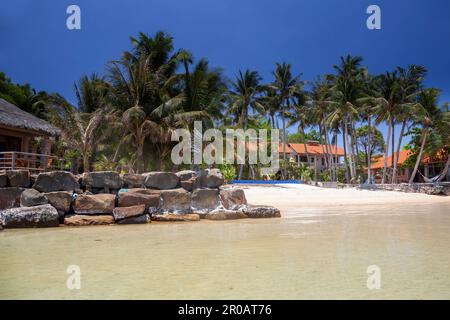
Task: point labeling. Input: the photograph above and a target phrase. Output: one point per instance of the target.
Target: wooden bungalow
(17, 130)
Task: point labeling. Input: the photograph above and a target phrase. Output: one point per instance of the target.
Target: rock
(174, 217)
(186, 175)
(80, 220)
(61, 200)
(436, 190)
(102, 180)
(253, 211)
(94, 204)
(222, 214)
(161, 180)
(233, 199)
(18, 178)
(136, 220)
(56, 181)
(190, 184)
(3, 180)
(176, 201)
(132, 180)
(149, 198)
(210, 178)
(10, 197)
(30, 217)
(32, 197)
(120, 213)
(205, 199)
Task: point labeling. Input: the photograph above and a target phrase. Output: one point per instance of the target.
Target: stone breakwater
(105, 197)
(437, 189)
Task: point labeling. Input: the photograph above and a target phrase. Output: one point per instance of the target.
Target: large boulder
(10, 197)
(186, 175)
(133, 180)
(30, 217)
(3, 179)
(94, 204)
(176, 201)
(56, 181)
(32, 197)
(222, 214)
(61, 200)
(148, 197)
(233, 199)
(18, 178)
(120, 213)
(174, 217)
(210, 178)
(253, 211)
(105, 180)
(161, 180)
(205, 200)
(143, 219)
(81, 220)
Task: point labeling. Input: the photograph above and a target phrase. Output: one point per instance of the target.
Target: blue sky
(36, 47)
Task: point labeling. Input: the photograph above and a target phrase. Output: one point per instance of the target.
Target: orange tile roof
(378, 163)
(311, 148)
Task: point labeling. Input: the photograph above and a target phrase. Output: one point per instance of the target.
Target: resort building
(22, 136)
(312, 153)
(430, 167)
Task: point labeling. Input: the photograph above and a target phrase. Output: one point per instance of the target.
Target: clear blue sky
(36, 47)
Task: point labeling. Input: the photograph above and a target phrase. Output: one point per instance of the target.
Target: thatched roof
(12, 116)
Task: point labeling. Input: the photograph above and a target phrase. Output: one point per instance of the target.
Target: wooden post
(13, 161)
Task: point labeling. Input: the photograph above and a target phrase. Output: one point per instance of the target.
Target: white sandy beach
(288, 196)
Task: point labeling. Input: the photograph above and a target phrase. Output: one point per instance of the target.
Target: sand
(288, 196)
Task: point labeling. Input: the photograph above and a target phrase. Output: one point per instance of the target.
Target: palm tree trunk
(444, 172)
(419, 157)
(386, 151)
(368, 152)
(140, 157)
(284, 144)
(344, 141)
(86, 163)
(394, 170)
(392, 144)
(241, 167)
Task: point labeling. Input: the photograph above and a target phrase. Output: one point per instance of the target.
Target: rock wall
(438, 189)
(105, 197)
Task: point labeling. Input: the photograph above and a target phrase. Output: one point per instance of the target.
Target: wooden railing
(33, 162)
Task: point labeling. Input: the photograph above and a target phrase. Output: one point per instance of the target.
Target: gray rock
(222, 214)
(161, 180)
(186, 175)
(120, 213)
(18, 178)
(176, 200)
(61, 200)
(32, 197)
(30, 217)
(148, 197)
(102, 180)
(136, 220)
(10, 197)
(81, 220)
(94, 204)
(210, 178)
(190, 184)
(253, 211)
(3, 180)
(132, 180)
(56, 181)
(205, 199)
(174, 217)
(233, 199)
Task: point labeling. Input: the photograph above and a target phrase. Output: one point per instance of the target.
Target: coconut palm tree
(288, 87)
(244, 97)
(91, 93)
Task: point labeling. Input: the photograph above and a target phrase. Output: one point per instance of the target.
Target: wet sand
(320, 248)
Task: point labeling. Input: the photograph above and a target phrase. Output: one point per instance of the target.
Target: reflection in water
(309, 253)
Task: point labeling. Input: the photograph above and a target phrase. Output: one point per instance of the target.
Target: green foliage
(228, 171)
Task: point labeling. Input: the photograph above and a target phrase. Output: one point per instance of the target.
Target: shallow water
(309, 253)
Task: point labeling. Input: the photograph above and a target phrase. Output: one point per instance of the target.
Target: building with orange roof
(312, 153)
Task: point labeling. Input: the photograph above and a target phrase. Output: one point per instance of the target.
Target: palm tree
(81, 131)
(430, 113)
(91, 93)
(244, 96)
(288, 87)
